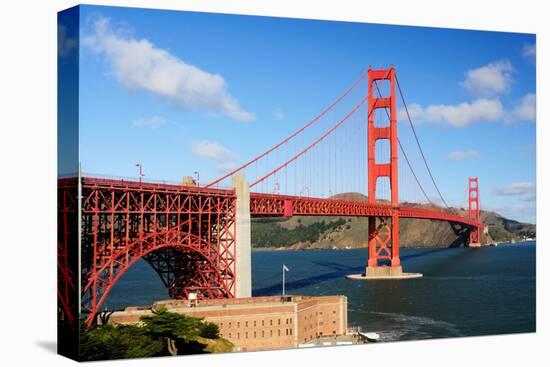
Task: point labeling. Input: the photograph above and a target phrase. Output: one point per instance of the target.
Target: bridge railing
(129, 179)
(148, 184)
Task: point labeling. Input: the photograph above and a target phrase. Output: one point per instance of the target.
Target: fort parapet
(256, 323)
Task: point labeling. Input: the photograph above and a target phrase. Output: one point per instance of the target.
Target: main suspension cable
(418, 142)
(403, 150)
(311, 122)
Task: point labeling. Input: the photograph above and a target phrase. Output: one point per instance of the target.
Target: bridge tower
(383, 231)
(474, 211)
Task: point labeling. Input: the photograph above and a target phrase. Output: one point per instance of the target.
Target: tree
(160, 334)
(172, 327)
(115, 342)
(210, 330)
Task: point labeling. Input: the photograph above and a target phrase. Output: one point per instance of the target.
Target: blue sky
(232, 86)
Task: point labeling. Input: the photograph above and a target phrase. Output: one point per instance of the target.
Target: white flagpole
(283, 280)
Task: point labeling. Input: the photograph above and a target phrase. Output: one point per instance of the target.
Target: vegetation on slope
(503, 229)
(272, 234)
(161, 334)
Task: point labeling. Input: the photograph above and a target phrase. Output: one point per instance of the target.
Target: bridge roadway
(265, 205)
(274, 205)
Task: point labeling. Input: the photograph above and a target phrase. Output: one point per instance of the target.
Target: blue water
(463, 292)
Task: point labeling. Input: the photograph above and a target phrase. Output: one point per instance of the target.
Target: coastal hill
(322, 232)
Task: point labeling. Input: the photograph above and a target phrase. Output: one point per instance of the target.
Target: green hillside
(352, 232)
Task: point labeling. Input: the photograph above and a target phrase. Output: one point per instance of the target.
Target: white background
(28, 44)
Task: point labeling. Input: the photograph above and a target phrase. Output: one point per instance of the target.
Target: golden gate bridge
(197, 238)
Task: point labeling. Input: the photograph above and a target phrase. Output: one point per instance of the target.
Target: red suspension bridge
(198, 237)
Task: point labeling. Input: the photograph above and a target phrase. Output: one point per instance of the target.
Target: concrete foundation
(384, 272)
(475, 244)
(243, 242)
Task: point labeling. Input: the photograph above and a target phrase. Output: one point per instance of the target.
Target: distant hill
(503, 229)
(303, 232)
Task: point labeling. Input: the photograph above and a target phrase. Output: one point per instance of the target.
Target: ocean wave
(415, 327)
(494, 277)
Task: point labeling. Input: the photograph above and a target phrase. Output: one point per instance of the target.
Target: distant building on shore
(256, 323)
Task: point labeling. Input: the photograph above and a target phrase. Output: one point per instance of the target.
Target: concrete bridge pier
(243, 261)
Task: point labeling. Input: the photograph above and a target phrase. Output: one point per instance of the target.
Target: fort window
(238, 335)
(246, 335)
(263, 334)
(238, 324)
(246, 323)
(270, 322)
(262, 322)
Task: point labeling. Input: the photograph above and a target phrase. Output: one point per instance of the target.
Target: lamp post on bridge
(197, 177)
(140, 172)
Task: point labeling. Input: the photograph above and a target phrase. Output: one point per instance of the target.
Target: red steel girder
(124, 221)
(67, 251)
(474, 210)
(390, 238)
(266, 205)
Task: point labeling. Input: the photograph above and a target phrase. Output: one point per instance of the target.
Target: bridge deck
(283, 205)
(262, 205)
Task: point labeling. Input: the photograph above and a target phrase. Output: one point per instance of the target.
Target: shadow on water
(301, 283)
(340, 271)
(422, 253)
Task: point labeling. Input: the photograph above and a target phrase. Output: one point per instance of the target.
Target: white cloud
(460, 115)
(467, 113)
(226, 167)
(139, 65)
(523, 212)
(66, 44)
(530, 51)
(211, 150)
(225, 159)
(153, 122)
(279, 114)
(460, 155)
(489, 80)
(525, 109)
(526, 190)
